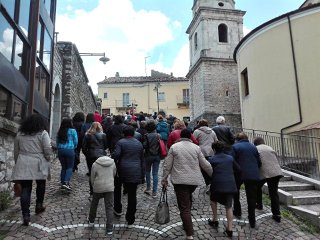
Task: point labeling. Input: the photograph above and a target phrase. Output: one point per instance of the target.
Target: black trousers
(273, 184)
(117, 205)
(131, 189)
(25, 198)
(251, 187)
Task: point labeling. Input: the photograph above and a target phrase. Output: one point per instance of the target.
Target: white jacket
(205, 136)
(102, 175)
(183, 163)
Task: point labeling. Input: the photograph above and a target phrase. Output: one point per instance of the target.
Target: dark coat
(94, 145)
(114, 134)
(224, 134)
(77, 126)
(151, 144)
(128, 156)
(223, 179)
(247, 156)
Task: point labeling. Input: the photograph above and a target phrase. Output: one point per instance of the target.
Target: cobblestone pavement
(66, 214)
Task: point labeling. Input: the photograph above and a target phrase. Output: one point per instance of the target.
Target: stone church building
(214, 32)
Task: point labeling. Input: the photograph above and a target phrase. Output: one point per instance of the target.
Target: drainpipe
(297, 87)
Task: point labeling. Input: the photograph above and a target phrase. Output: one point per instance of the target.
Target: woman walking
(223, 185)
(152, 157)
(94, 146)
(67, 141)
(128, 156)
(32, 151)
(270, 173)
(183, 165)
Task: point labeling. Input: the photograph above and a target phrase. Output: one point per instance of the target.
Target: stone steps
(301, 195)
(295, 186)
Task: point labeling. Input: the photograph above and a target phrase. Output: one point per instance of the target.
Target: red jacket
(175, 135)
(97, 117)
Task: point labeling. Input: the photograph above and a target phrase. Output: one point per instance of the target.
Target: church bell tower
(214, 32)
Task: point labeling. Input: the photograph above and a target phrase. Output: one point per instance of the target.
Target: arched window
(223, 33)
(195, 41)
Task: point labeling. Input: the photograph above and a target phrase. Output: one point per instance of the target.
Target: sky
(141, 35)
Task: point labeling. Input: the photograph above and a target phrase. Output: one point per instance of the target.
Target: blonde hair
(95, 127)
(179, 124)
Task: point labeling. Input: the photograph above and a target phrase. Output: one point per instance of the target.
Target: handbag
(162, 212)
(163, 149)
(17, 189)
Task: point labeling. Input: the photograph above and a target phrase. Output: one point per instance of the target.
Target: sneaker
(117, 213)
(154, 195)
(147, 191)
(66, 186)
(109, 231)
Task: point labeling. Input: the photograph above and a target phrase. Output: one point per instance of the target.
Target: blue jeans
(66, 157)
(154, 162)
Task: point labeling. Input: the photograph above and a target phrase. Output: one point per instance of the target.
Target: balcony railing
(183, 101)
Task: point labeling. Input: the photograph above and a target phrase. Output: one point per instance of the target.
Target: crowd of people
(123, 152)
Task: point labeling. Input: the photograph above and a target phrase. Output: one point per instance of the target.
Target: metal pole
(158, 96)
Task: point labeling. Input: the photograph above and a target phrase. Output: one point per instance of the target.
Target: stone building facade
(71, 92)
(215, 31)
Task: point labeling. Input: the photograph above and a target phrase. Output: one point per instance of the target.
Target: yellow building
(279, 73)
(124, 94)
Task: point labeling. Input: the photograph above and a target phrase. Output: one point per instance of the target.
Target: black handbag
(162, 212)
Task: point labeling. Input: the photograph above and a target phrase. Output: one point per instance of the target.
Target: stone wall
(8, 130)
(76, 93)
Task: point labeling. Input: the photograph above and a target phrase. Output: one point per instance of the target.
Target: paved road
(66, 214)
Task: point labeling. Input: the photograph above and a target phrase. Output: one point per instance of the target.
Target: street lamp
(103, 58)
(156, 88)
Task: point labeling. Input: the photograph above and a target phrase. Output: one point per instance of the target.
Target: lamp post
(156, 88)
(103, 58)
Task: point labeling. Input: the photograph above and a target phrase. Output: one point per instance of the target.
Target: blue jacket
(163, 130)
(128, 156)
(247, 156)
(223, 179)
(72, 141)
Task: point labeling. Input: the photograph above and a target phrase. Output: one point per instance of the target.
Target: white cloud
(114, 27)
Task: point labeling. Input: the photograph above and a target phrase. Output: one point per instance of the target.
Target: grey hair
(220, 120)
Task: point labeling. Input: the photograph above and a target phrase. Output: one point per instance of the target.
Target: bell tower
(214, 32)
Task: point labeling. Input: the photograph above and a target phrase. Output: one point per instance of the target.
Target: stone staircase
(301, 195)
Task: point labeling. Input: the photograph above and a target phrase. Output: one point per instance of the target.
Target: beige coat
(183, 163)
(32, 155)
(270, 166)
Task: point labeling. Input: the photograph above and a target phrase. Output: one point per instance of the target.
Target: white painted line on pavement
(160, 232)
